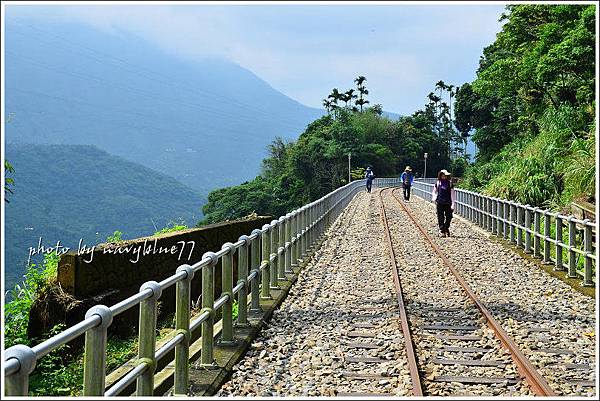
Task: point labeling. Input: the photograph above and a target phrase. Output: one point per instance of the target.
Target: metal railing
(264, 258)
(564, 241)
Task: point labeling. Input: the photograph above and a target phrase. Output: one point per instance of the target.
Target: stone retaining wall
(116, 271)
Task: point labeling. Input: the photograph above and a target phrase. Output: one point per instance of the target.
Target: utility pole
(349, 168)
(425, 170)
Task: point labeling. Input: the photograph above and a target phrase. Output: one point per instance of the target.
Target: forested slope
(532, 109)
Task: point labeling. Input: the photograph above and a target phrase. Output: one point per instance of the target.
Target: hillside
(206, 123)
(73, 192)
(532, 108)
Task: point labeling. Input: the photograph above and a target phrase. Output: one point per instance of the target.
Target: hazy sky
(305, 50)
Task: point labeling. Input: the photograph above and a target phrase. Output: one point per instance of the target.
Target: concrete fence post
(281, 252)
(208, 301)
(537, 230)
(274, 236)
(266, 253)
(547, 223)
(17, 384)
(588, 277)
(572, 245)
(94, 359)
(527, 229)
(182, 326)
(519, 225)
(513, 222)
(255, 268)
(242, 317)
(147, 339)
(558, 237)
(227, 289)
(288, 243)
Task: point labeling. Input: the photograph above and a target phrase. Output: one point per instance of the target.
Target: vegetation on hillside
(296, 173)
(73, 192)
(532, 107)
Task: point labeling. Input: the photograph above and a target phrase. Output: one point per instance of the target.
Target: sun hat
(408, 168)
(445, 172)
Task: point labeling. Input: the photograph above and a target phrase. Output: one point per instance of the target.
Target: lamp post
(425, 170)
(349, 174)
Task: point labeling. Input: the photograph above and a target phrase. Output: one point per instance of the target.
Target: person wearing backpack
(443, 196)
(370, 176)
(407, 178)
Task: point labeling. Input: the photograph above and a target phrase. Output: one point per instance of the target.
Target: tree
(362, 90)
(349, 95)
(335, 96)
(327, 104)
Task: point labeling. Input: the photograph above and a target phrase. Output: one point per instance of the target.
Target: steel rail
(417, 388)
(537, 382)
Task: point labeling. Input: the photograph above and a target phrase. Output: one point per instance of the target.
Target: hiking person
(370, 176)
(407, 178)
(443, 196)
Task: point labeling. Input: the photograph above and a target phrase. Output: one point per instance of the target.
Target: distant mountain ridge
(206, 123)
(72, 192)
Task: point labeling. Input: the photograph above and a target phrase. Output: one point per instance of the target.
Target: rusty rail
(537, 382)
(410, 349)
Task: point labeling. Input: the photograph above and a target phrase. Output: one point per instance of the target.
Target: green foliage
(172, 227)
(532, 107)
(73, 192)
(115, 237)
(21, 297)
(317, 163)
(8, 181)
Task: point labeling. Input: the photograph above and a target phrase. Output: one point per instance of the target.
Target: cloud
(305, 50)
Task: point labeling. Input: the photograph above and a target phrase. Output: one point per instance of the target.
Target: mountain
(206, 123)
(73, 192)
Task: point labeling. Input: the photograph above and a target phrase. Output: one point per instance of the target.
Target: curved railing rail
(520, 224)
(269, 253)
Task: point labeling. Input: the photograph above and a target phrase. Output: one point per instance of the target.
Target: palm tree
(335, 96)
(350, 95)
(362, 90)
(361, 102)
(359, 80)
(441, 85)
(345, 98)
(433, 98)
(327, 104)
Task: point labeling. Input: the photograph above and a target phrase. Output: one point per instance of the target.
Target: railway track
(337, 333)
(454, 344)
(553, 324)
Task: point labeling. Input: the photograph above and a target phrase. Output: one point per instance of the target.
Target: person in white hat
(407, 178)
(443, 196)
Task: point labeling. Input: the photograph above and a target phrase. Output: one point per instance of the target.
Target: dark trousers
(406, 191)
(369, 182)
(444, 215)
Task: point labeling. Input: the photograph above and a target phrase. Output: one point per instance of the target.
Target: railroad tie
(448, 327)
(362, 334)
(466, 349)
(468, 362)
(360, 395)
(353, 359)
(362, 345)
(455, 337)
(476, 380)
(554, 351)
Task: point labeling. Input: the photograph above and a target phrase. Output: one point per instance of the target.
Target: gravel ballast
(553, 324)
(338, 331)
